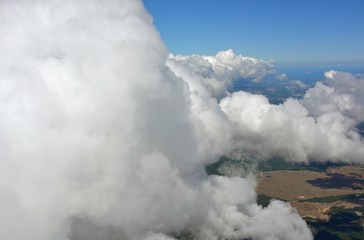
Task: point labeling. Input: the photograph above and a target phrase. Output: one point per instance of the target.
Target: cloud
(236, 215)
(342, 92)
(299, 84)
(319, 127)
(105, 136)
(226, 65)
(159, 237)
(289, 130)
(218, 72)
(94, 126)
(282, 77)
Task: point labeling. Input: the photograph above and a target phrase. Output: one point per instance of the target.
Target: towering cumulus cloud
(219, 71)
(101, 139)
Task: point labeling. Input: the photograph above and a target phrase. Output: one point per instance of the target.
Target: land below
(329, 197)
(331, 201)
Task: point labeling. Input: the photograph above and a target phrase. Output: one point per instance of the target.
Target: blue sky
(282, 30)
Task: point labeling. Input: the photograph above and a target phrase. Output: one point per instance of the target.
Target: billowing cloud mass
(341, 92)
(218, 72)
(320, 127)
(105, 136)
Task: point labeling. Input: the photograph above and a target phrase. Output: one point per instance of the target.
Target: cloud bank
(319, 127)
(219, 71)
(103, 135)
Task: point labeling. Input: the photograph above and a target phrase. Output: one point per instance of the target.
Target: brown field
(349, 171)
(292, 186)
(319, 210)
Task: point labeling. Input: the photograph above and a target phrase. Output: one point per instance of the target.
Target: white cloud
(93, 126)
(218, 72)
(305, 130)
(159, 236)
(236, 216)
(226, 65)
(290, 131)
(341, 92)
(299, 84)
(282, 77)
